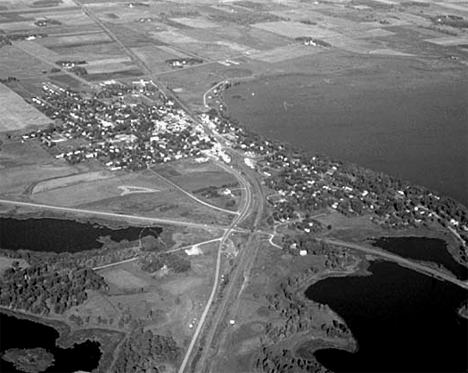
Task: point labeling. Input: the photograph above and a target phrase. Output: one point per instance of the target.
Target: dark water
(61, 235)
(417, 132)
(16, 333)
(402, 320)
(424, 249)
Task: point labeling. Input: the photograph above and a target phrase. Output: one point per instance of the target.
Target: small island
(33, 360)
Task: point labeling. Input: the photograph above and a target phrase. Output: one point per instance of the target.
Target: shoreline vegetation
(108, 340)
(33, 360)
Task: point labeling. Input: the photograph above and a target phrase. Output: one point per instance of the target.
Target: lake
(402, 320)
(56, 235)
(25, 334)
(416, 130)
(423, 249)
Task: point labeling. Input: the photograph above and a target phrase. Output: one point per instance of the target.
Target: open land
(113, 112)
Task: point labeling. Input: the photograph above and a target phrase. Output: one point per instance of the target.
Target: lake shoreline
(252, 115)
(68, 337)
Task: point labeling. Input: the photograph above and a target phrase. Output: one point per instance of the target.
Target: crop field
(16, 114)
(71, 18)
(154, 57)
(36, 49)
(449, 41)
(110, 67)
(288, 52)
(173, 37)
(83, 39)
(296, 29)
(16, 62)
(253, 38)
(16, 26)
(371, 33)
(117, 74)
(349, 44)
(218, 50)
(105, 49)
(65, 80)
(196, 22)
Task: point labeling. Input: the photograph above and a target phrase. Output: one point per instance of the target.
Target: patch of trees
(143, 351)
(43, 288)
(273, 360)
(451, 20)
(79, 70)
(29, 360)
(47, 22)
(154, 262)
(181, 62)
(69, 63)
(308, 40)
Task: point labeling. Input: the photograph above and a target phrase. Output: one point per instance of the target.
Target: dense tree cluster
(450, 20)
(336, 258)
(271, 360)
(155, 261)
(42, 288)
(144, 351)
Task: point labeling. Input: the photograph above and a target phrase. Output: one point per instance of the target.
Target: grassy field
(93, 187)
(250, 37)
(154, 57)
(123, 279)
(16, 114)
(192, 176)
(17, 63)
(70, 180)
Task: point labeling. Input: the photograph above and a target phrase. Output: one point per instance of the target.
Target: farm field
(16, 114)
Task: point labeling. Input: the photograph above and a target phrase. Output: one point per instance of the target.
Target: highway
(244, 212)
(398, 259)
(106, 214)
(237, 278)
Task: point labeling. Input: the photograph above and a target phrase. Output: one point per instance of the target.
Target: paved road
(243, 213)
(238, 277)
(398, 259)
(191, 195)
(115, 263)
(145, 219)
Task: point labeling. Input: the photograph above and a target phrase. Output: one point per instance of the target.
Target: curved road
(191, 195)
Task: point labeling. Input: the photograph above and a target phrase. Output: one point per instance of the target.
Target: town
(117, 126)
